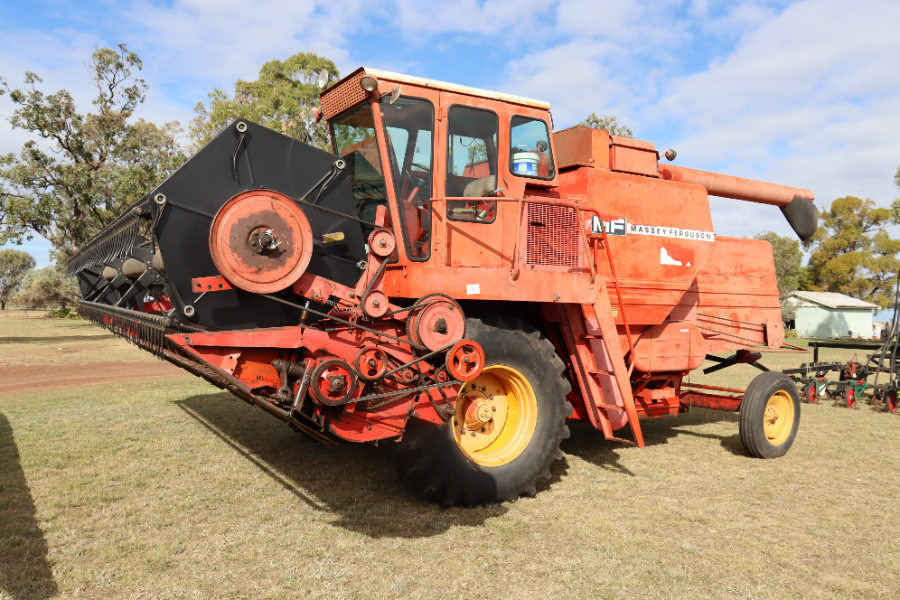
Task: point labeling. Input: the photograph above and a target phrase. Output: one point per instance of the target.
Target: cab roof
(347, 92)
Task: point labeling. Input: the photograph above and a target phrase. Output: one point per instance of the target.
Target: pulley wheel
(465, 360)
(261, 241)
(382, 242)
(438, 323)
(332, 382)
(371, 363)
(375, 304)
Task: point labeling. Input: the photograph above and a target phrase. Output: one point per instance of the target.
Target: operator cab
(431, 151)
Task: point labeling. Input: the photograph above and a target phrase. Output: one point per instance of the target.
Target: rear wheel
(508, 425)
(770, 415)
(890, 401)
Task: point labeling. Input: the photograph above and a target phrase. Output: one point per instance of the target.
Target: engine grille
(554, 239)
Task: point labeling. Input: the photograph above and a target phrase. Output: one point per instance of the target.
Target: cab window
(529, 152)
(353, 136)
(472, 163)
(408, 126)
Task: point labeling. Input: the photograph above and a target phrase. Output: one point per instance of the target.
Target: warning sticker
(473, 288)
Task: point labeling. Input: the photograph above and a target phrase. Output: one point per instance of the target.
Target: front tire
(770, 415)
(510, 421)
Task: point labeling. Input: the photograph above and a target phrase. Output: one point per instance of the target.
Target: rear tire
(500, 460)
(890, 401)
(770, 415)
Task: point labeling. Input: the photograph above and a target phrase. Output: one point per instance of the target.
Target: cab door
(472, 153)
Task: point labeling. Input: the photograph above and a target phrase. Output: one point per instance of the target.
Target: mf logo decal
(621, 226)
(613, 225)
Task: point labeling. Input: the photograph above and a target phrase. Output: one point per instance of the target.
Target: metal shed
(831, 315)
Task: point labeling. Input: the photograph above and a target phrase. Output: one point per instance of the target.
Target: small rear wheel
(810, 394)
(890, 401)
(850, 396)
(770, 415)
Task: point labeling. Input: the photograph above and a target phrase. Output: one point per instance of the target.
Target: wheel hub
(778, 417)
(496, 416)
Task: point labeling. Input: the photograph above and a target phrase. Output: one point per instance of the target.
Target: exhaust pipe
(796, 203)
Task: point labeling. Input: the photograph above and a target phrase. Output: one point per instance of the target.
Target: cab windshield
(353, 136)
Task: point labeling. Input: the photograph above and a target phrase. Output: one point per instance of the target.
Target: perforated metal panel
(342, 96)
(553, 236)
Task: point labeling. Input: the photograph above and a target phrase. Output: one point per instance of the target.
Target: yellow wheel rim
(778, 418)
(496, 414)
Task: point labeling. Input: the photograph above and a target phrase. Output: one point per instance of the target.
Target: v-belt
(339, 320)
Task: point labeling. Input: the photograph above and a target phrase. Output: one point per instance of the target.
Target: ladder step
(599, 372)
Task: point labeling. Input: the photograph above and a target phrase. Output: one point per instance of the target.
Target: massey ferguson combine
(453, 280)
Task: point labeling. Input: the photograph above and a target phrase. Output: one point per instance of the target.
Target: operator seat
(480, 188)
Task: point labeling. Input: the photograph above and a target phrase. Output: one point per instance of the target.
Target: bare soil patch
(18, 379)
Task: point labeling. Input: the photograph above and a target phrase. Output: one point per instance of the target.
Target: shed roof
(834, 300)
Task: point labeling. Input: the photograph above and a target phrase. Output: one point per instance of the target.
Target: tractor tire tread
(416, 455)
(750, 421)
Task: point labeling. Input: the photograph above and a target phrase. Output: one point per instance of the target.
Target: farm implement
(453, 282)
(812, 378)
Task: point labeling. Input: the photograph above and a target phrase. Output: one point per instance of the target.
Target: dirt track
(18, 379)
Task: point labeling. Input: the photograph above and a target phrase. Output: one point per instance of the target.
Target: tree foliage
(608, 123)
(788, 260)
(279, 99)
(81, 170)
(49, 287)
(853, 253)
(13, 265)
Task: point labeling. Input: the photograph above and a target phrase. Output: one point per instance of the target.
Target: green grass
(170, 489)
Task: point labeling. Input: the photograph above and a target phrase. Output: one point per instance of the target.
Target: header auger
(453, 280)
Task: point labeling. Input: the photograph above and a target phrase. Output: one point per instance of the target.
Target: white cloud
(803, 93)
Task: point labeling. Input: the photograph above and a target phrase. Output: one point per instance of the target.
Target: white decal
(665, 259)
(673, 232)
(473, 288)
(616, 226)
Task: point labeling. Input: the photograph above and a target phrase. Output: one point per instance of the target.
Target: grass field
(166, 488)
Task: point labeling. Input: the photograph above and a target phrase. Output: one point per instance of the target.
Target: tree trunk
(2, 304)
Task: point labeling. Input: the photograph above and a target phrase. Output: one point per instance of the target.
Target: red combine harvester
(453, 280)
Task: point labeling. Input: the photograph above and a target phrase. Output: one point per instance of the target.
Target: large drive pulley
(437, 323)
(261, 241)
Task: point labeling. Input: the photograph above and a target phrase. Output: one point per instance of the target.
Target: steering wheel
(415, 180)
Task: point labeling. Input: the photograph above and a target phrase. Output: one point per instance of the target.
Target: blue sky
(803, 93)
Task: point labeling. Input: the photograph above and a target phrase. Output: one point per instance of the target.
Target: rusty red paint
(261, 241)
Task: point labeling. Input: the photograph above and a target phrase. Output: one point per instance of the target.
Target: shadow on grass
(353, 481)
(24, 569)
(589, 444)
